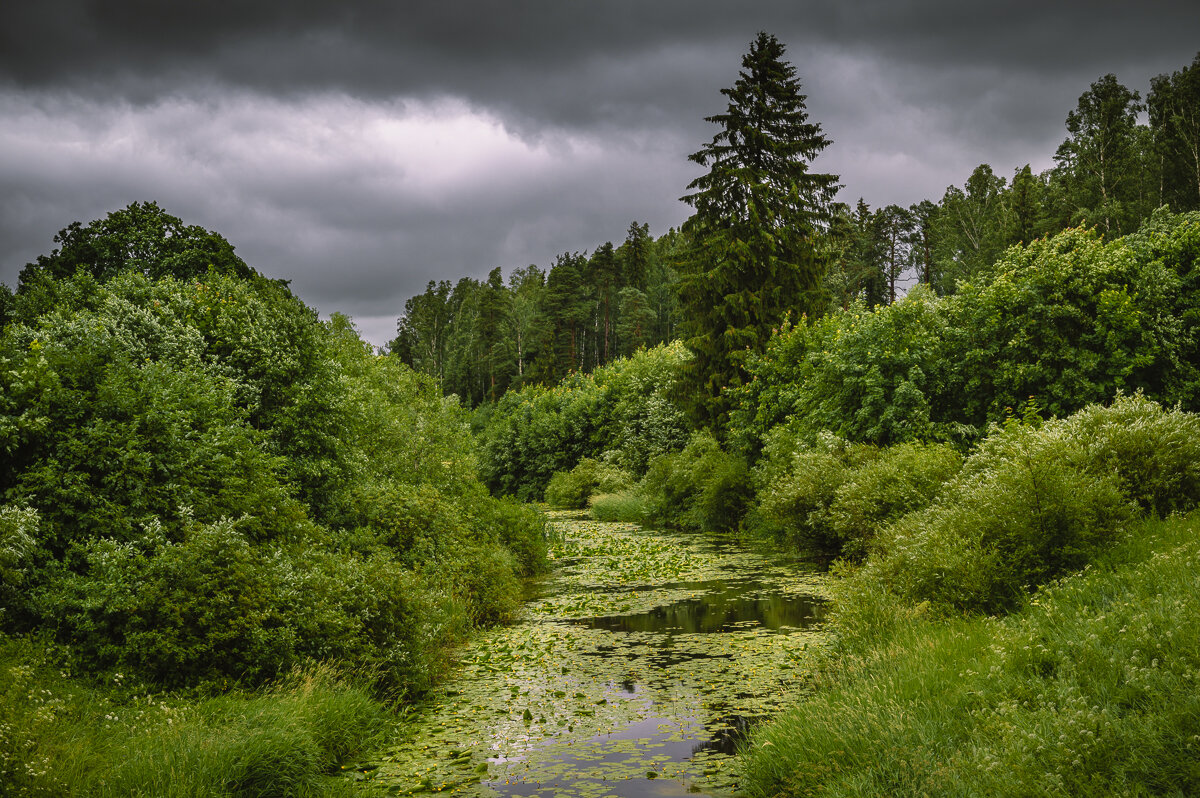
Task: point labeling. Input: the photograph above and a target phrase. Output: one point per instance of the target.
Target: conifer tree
(756, 213)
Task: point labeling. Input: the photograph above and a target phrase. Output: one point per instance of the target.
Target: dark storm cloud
(364, 148)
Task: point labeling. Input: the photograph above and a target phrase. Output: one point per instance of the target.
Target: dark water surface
(638, 668)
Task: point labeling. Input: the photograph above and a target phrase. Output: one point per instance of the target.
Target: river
(634, 670)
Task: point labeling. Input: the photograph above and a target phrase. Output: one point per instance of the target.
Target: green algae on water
(644, 653)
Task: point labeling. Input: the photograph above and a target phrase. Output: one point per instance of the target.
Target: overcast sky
(362, 148)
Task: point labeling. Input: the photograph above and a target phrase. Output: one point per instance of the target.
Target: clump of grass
(1090, 689)
(626, 505)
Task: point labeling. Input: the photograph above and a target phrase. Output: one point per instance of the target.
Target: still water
(636, 669)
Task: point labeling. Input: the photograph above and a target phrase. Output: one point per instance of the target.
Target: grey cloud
(239, 116)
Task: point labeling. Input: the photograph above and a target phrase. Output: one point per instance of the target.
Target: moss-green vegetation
(1068, 320)
(202, 486)
(208, 483)
(1090, 689)
(64, 735)
(573, 490)
(623, 414)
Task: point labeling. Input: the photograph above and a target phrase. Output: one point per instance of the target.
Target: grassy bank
(1090, 688)
(62, 735)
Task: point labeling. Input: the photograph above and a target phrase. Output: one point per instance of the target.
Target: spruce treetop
(758, 161)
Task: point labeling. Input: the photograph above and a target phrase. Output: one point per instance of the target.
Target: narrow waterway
(636, 668)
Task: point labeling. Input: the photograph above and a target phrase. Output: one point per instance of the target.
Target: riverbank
(633, 670)
(1089, 689)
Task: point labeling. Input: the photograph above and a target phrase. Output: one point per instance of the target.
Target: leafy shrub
(1070, 320)
(518, 527)
(797, 484)
(701, 487)
(18, 539)
(224, 487)
(210, 605)
(624, 414)
(572, 489)
(1154, 453)
(1032, 504)
(904, 478)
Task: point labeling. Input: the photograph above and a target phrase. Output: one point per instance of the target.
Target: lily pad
(643, 653)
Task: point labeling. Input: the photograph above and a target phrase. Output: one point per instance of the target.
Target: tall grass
(63, 736)
(1092, 689)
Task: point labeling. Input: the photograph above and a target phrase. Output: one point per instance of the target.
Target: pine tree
(757, 211)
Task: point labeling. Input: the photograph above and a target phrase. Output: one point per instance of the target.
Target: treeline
(1047, 330)
(1111, 173)
(479, 339)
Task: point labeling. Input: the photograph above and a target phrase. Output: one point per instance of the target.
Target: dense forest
(233, 536)
(479, 339)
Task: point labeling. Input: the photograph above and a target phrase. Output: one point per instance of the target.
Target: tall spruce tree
(757, 211)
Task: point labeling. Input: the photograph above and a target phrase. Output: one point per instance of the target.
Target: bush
(572, 489)
(797, 484)
(18, 540)
(1033, 503)
(701, 487)
(1070, 320)
(623, 414)
(904, 478)
(520, 528)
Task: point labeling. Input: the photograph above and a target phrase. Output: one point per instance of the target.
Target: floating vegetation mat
(634, 671)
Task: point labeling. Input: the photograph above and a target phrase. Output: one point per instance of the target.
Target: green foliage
(1172, 105)
(699, 488)
(753, 258)
(626, 505)
(1066, 321)
(140, 238)
(623, 414)
(1069, 320)
(573, 489)
(1088, 691)
(214, 485)
(902, 479)
(797, 484)
(872, 376)
(1102, 163)
(1031, 504)
(65, 736)
(18, 543)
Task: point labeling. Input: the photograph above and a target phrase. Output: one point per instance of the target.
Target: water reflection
(633, 681)
(720, 612)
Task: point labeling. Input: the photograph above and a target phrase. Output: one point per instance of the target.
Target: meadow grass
(66, 736)
(1091, 688)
